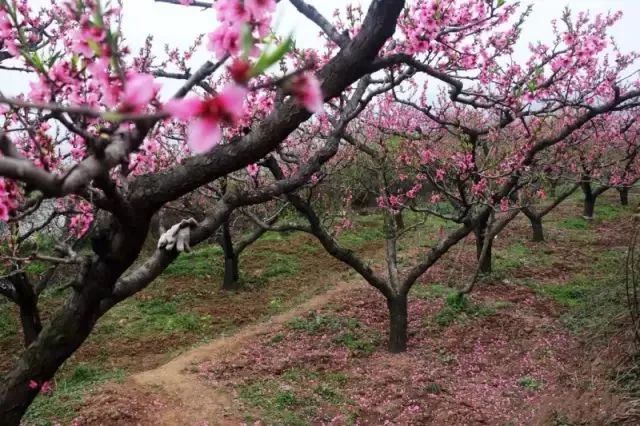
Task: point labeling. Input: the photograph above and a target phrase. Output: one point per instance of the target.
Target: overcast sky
(178, 25)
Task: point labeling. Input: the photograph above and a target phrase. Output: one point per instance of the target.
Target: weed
(433, 388)
(459, 307)
(530, 383)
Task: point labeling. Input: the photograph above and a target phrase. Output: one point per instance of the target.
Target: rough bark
(27, 300)
(231, 268)
(624, 196)
(71, 326)
(485, 264)
(398, 337)
(589, 199)
(537, 231)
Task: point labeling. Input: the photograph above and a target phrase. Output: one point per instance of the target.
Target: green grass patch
(530, 383)
(460, 308)
(152, 317)
(607, 211)
(203, 262)
(574, 223)
(280, 265)
(518, 255)
(8, 323)
(595, 298)
(294, 397)
(431, 291)
(349, 332)
(62, 404)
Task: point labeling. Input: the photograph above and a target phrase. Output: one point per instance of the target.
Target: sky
(178, 25)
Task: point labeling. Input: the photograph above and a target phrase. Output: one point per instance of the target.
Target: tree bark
(399, 220)
(70, 327)
(486, 262)
(397, 305)
(589, 207)
(624, 196)
(231, 269)
(536, 229)
(589, 200)
(29, 313)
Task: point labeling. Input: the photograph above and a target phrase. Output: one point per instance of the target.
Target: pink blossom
(253, 170)
(139, 91)
(205, 130)
(46, 387)
(307, 91)
(259, 8)
(225, 40)
(504, 205)
(33, 384)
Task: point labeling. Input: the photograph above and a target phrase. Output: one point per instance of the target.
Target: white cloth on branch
(178, 236)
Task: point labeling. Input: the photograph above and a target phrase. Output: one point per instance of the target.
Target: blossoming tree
(104, 147)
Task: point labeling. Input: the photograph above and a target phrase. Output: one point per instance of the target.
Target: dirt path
(195, 403)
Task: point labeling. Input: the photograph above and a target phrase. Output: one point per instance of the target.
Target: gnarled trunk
(70, 326)
(397, 305)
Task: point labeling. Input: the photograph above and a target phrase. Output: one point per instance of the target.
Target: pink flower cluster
(8, 201)
(79, 223)
(236, 15)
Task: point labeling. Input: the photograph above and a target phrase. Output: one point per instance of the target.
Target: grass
(530, 383)
(518, 255)
(205, 261)
(348, 331)
(294, 397)
(593, 298)
(574, 223)
(62, 404)
(460, 308)
(431, 291)
(280, 265)
(8, 323)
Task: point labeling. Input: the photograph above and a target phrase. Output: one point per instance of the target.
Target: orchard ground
(541, 341)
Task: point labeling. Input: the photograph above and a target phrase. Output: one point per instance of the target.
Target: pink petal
(203, 135)
(140, 90)
(232, 100)
(184, 109)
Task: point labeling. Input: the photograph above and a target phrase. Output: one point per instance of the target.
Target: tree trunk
(537, 230)
(27, 301)
(70, 326)
(231, 269)
(397, 323)
(624, 196)
(589, 207)
(486, 263)
(54, 345)
(589, 198)
(231, 273)
(399, 221)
